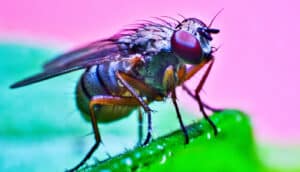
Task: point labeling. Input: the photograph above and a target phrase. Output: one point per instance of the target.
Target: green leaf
(232, 150)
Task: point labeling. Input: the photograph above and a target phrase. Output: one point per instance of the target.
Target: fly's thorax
(154, 69)
(147, 40)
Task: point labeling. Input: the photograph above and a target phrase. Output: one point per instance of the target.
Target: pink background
(256, 68)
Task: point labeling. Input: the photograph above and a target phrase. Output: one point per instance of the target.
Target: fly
(133, 68)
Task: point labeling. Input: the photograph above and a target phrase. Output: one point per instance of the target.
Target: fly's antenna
(213, 19)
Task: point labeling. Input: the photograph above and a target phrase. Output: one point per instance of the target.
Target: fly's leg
(169, 83)
(140, 127)
(96, 134)
(186, 136)
(142, 102)
(184, 75)
(196, 96)
(206, 106)
(102, 100)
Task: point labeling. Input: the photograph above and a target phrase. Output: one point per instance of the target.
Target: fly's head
(191, 41)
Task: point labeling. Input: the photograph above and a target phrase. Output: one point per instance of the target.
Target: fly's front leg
(169, 83)
(186, 136)
(199, 87)
(206, 106)
(184, 75)
(142, 102)
(102, 100)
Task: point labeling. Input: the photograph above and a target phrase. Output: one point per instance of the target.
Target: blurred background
(256, 70)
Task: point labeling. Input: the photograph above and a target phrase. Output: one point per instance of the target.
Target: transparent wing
(99, 51)
(94, 53)
(94, 50)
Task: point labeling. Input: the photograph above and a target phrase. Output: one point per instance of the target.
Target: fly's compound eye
(186, 46)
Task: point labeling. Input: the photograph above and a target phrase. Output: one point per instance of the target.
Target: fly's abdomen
(100, 80)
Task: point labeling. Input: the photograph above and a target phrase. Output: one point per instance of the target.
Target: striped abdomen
(101, 80)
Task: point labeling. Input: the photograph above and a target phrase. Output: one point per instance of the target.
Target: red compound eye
(186, 46)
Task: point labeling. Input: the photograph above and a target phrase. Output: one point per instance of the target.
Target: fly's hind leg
(102, 100)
